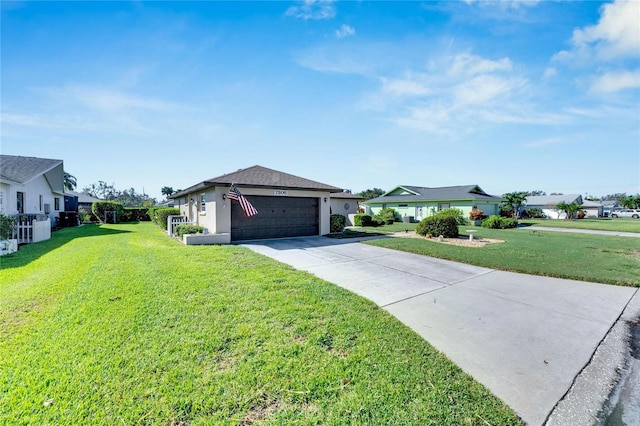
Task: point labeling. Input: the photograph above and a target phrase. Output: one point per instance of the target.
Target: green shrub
(163, 213)
(455, 213)
(337, 223)
(387, 215)
(135, 214)
(445, 225)
(533, 213)
(497, 222)
(100, 209)
(7, 226)
(189, 229)
(357, 220)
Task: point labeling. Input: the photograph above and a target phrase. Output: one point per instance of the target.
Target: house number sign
(280, 192)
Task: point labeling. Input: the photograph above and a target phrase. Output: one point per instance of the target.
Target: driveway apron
(524, 337)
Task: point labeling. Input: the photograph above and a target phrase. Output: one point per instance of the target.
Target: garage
(277, 217)
(287, 206)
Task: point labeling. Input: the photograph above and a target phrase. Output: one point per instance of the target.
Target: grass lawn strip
(584, 257)
(119, 324)
(602, 224)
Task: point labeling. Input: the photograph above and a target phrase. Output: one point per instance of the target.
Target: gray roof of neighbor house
(553, 200)
(82, 197)
(346, 195)
(18, 169)
(260, 177)
(445, 193)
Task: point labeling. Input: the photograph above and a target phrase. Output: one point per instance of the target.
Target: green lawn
(602, 224)
(585, 257)
(118, 324)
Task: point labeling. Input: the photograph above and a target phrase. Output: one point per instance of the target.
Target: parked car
(634, 213)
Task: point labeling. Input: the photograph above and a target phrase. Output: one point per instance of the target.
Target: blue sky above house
(509, 95)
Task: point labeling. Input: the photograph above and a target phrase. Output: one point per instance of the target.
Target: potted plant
(7, 226)
(476, 216)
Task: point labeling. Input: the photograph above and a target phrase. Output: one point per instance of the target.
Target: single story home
(418, 202)
(592, 208)
(34, 189)
(346, 204)
(287, 205)
(548, 203)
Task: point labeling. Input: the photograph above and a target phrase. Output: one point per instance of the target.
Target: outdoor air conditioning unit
(47, 208)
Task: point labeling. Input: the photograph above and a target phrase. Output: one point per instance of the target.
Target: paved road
(526, 338)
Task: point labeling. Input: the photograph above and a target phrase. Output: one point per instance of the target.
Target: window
(442, 206)
(20, 202)
(203, 203)
(403, 205)
(56, 203)
(40, 202)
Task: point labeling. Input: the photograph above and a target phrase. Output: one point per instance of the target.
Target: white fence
(174, 221)
(31, 230)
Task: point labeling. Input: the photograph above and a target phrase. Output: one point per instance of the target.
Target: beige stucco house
(288, 206)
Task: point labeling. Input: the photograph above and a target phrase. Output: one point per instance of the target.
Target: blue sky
(509, 95)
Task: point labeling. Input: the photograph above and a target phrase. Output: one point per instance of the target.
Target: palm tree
(70, 182)
(569, 209)
(167, 190)
(515, 200)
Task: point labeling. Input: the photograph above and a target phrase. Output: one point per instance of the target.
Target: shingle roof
(346, 196)
(552, 200)
(464, 192)
(258, 176)
(19, 169)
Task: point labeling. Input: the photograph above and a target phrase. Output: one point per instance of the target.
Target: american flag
(247, 207)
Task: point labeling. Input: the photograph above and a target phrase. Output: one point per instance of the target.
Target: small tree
(569, 209)
(515, 200)
(371, 193)
(7, 226)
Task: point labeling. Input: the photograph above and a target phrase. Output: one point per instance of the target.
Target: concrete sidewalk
(526, 338)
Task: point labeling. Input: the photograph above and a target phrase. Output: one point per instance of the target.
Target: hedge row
(159, 215)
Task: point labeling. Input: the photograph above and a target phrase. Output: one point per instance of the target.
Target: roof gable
(17, 169)
(406, 193)
(261, 177)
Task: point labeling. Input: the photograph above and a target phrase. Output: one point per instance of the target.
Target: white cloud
(617, 34)
(550, 72)
(345, 31)
(472, 65)
(615, 81)
(104, 99)
(404, 87)
(485, 88)
(313, 9)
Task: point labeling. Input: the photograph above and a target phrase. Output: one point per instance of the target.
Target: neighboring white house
(34, 188)
(548, 203)
(346, 204)
(288, 205)
(30, 185)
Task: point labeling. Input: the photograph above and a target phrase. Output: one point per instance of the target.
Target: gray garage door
(277, 217)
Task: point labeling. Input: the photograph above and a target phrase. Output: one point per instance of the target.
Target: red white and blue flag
(247, 207)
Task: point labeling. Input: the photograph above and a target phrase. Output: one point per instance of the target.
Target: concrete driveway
(526, 338)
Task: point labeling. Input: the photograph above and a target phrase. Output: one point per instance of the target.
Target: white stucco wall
(217, 215)
(32, 192)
